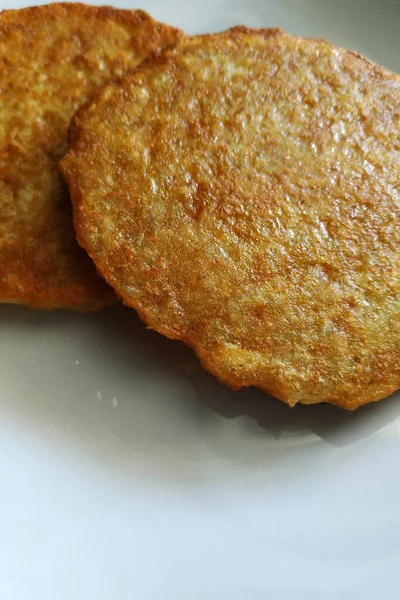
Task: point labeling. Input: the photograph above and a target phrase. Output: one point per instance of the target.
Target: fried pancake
(52, 58)
(241, 192)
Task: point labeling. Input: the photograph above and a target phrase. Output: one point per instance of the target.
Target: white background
(171, 486)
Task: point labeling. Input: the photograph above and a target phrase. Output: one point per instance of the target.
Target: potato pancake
(242, 192)
(52, 58)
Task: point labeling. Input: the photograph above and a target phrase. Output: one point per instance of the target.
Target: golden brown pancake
(241, 192)
(52, 58)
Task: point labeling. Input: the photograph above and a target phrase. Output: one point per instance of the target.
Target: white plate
(127, 473)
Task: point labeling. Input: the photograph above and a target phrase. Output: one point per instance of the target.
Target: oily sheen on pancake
(241, 192)
(52, 58)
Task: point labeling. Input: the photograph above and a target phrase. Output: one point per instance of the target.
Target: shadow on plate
(332, 424)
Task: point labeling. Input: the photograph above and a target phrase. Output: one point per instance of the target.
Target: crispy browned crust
(241, 192)
(52, 58)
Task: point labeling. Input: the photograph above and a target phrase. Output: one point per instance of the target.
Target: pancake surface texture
(241, 192)
(52, 58)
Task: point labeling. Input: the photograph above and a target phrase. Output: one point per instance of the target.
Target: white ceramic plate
(127, 473)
